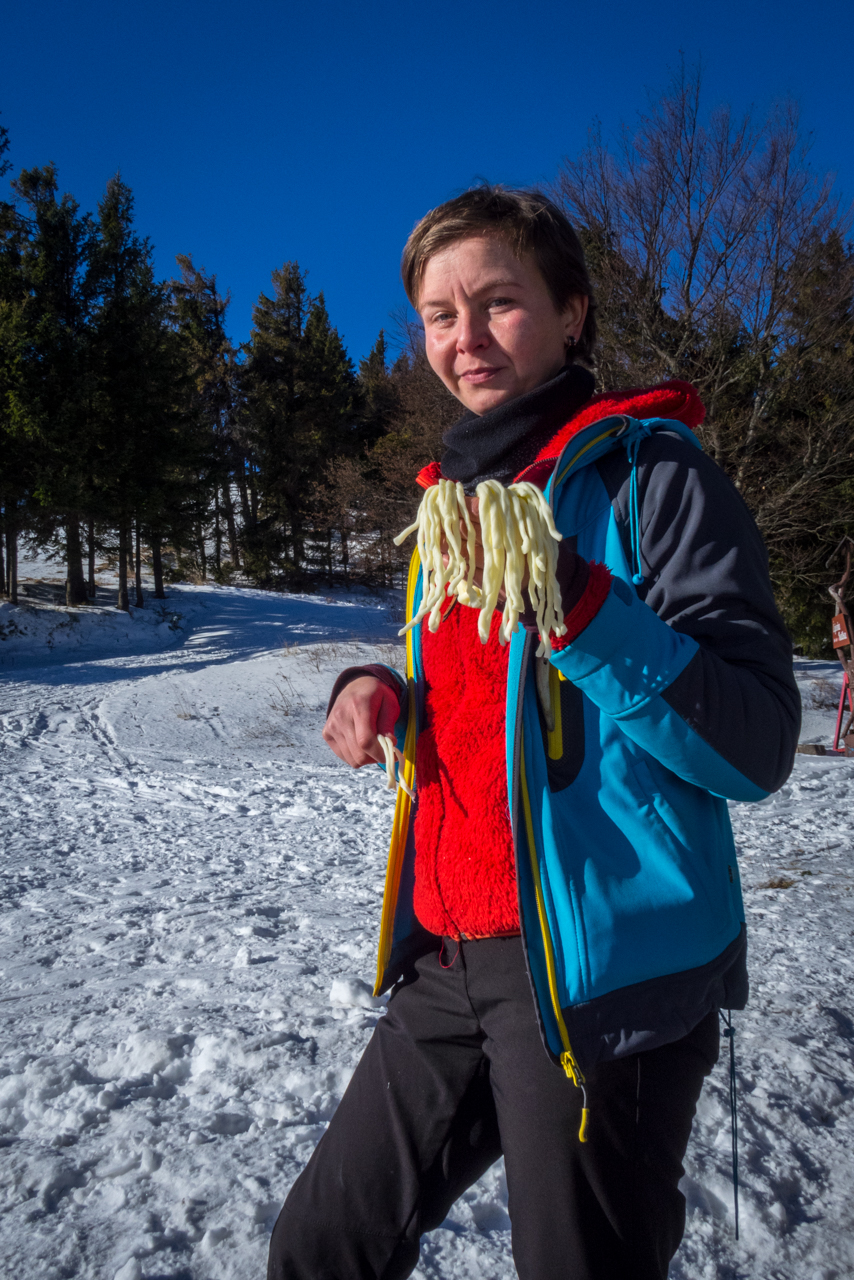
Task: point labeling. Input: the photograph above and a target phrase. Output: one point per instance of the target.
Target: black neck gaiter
(499, 444)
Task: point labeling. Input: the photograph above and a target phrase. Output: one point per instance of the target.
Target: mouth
(474, 377)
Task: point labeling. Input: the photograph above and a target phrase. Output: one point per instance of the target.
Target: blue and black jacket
(624, 748)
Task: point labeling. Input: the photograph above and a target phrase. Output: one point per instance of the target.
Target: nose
(472, 331)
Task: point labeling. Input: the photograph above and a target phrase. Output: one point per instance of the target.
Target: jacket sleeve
(379, 671)
(695, 664)
(389, 677)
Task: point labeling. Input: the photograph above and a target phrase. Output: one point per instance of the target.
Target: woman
(563, 916)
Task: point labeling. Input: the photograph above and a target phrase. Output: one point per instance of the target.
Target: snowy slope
(190, 900)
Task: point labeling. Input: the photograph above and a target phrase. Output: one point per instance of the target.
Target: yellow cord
(400, 827)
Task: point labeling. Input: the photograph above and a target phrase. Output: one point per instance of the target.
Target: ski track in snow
(191, 888)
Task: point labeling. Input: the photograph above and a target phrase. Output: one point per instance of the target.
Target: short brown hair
(530, 222)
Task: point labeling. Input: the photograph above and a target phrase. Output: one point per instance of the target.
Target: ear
(574, 316)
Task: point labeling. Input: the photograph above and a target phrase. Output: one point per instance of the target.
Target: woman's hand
(363, 709)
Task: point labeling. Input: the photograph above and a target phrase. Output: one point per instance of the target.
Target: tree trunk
(12, 553)
(137, 570)
(90, 534)
(157, 567)
(202, 552)
(75, 583)
(228, 508)
(345, 554)
(217, 536)
(253, 493)
(244, 496)
(129, 544)
(123, 602)
(4, 590)
(297, 543)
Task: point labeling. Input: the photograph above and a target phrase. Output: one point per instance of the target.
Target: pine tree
(370, 498)
(150, 443)
(300, 411)
(271, 422)
(15, 460)
(380, 398)
(199, 313)
(50, 401)
(328, 411)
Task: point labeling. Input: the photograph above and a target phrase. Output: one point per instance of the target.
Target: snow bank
(190, 899)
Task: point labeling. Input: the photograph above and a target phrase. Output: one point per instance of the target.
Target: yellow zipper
(403, 804)
(555, 735)
(567, 1058)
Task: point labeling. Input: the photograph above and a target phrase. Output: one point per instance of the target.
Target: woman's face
(491, 327)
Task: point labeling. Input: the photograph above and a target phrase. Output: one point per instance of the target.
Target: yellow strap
(555, 735)
(403, 804)
(567, 1058)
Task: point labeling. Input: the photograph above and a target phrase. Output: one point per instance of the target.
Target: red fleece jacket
(465, 877)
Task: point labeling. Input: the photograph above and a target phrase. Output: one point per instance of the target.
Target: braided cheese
(518, 533)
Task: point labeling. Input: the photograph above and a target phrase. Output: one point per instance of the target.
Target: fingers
(389, 712)
(364, 708)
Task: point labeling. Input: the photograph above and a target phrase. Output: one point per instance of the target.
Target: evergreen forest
(134, 432)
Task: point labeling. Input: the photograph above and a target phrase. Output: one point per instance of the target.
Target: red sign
(840, 631)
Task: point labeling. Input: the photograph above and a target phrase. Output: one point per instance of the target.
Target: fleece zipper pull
(573, 1071)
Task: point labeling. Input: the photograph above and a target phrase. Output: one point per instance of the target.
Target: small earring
(570, 343)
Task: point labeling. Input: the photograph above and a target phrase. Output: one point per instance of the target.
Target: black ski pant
(455, 1075)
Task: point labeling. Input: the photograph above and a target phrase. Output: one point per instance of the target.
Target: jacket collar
(495, 445)
(675, 399)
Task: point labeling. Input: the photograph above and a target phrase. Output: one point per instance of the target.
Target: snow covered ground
(190, 897)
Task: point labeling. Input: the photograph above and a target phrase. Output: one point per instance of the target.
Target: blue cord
(638, 431)
(634, 515)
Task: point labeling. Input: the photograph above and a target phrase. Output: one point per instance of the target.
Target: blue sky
(258, 132)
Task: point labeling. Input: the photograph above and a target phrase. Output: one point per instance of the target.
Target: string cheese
(392, 754)
(518, 536)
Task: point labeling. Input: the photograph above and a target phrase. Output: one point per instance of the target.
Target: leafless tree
(721, 257)
(371, 498)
